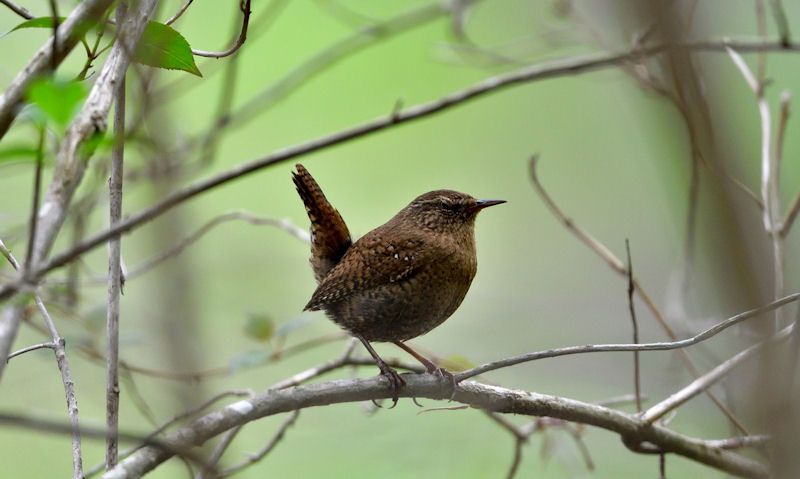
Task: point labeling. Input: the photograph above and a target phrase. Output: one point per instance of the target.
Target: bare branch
(253, 458)
(58, 345)
(707, 380)
(637, 382)
(569, 66)
(244, 6)
(21, 11)
(180, 12)
(614, 262)
(739, 442)
(69, 33)
(491, 398)
(47, 345)
(659, 346)
(180, 417)
(115, 278)
(781, 22)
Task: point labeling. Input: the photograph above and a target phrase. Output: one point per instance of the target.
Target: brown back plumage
(330, 238)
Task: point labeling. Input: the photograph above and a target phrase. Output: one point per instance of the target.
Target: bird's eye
(446, 203)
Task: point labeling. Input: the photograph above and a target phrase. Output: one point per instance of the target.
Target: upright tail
(330, 237)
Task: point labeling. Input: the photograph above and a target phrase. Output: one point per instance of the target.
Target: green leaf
(163, 47)
(57, 99)
(259, 327)
(40, 22)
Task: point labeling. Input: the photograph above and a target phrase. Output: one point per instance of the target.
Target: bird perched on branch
(401, 279)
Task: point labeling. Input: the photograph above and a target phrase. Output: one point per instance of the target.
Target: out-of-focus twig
(637, 382)
(254, 458)
(244, 6)
(21, 11)
(659, 346)
(180, 12)
(569, 66)
(601, 250)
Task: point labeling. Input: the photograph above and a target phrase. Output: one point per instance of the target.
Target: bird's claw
(396, 382)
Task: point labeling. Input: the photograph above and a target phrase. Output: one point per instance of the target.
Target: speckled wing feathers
(377, 261)
(330, 238)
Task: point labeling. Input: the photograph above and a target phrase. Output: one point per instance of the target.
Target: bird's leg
(396, 382)
(432, 368)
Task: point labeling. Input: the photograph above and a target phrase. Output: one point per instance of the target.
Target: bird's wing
(330, 237)
(372, 261)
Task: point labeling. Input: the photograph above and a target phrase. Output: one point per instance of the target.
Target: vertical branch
(114, 269)
(56, 22)
(58, 345)
(781, 22)
(37, 186)
(631, 288)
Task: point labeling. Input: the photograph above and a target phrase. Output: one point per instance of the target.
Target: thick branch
(492, 398)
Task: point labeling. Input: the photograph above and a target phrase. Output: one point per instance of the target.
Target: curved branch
(632, 429)
(601, 348)
(244, 6)
(563, 67)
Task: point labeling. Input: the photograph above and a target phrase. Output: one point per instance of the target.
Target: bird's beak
(481, 204)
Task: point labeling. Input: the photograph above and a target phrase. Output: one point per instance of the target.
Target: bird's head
(445, 210)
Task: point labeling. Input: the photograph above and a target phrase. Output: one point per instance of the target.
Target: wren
(401, 279)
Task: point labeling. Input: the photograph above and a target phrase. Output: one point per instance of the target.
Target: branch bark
(632, 430)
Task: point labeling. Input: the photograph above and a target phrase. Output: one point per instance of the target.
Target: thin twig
(569, 66)
(516, 459)
(51, 426)
(47, 345)
(276, 438)
(58, 345)
(601, 250)
(637, 382)
(37, 187)
(704, 382)
(781, 22)
(180, 12)
(115, 278)
(244, 6)
(282, 224)
(180, 417)
(21, 11)
(657, 346)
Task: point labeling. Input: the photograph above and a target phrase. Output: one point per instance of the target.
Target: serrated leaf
(39, 22)
(259, 327)
(57, 99)
(163, 47)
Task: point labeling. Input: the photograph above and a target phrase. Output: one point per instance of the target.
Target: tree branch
(21, 11)
(598, 348)
(491, 398)
(568, 66)
(244, 6)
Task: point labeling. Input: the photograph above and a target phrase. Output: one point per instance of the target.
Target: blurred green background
(615, 158)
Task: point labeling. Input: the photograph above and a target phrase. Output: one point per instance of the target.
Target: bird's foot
(396, 382)
(444, 375)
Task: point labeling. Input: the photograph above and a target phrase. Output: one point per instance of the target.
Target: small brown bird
(398, 281)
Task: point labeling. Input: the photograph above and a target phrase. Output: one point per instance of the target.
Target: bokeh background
(614, 157)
